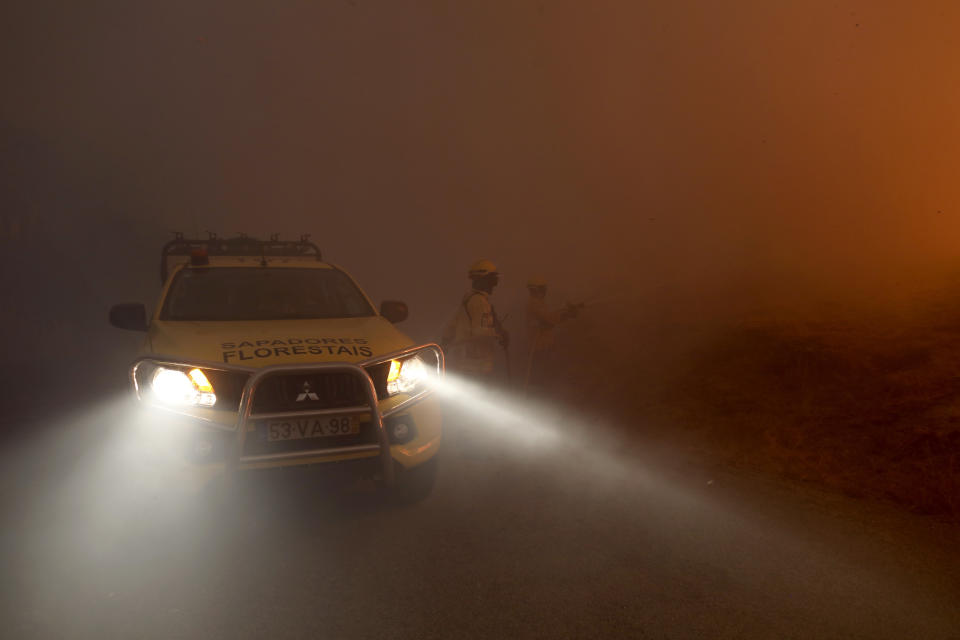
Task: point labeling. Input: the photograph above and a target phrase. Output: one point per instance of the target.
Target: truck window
(263, 293)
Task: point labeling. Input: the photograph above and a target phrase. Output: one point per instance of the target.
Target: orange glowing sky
(695, 142)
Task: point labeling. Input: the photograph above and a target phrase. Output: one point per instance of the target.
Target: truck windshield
(263, 293)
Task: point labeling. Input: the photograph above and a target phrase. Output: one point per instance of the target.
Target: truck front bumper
(214, 447)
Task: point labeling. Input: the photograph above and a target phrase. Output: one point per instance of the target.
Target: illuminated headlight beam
(542, 430)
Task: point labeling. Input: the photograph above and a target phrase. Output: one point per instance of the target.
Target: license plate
(311, 427)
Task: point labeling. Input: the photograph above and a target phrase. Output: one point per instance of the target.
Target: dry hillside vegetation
(872, 409)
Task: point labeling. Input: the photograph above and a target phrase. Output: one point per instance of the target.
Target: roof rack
(242, 245)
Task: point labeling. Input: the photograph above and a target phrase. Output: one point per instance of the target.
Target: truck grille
(281, 393)
(307, 392)
(302, 393)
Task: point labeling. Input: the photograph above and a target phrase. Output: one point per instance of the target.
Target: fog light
(401, 431)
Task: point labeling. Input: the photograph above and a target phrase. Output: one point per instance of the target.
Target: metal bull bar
(236, 457)
(256, 377)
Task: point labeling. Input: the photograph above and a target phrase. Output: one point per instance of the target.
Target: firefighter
(472, 336)
(540, 321)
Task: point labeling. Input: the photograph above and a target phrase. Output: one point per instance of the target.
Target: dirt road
(516, 541)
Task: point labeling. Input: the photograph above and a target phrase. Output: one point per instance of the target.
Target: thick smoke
(704, 158)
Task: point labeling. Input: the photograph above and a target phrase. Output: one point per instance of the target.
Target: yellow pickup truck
(260, 354)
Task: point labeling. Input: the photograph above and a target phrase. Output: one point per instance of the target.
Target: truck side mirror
(394, 310)
(131, 316)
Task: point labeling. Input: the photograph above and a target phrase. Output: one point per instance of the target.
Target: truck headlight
(406, 375)
(172, 386)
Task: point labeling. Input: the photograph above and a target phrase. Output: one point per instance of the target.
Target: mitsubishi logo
(307, 393)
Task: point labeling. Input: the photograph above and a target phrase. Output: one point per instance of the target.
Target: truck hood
(264, 343)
